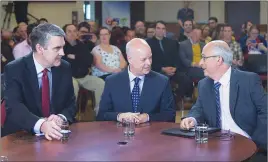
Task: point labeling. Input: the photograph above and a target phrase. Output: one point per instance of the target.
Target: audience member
(78, 55)
(6, 49)
(40, 85)
(150, 31)
(42, 21)
(212, 23)
(185, 13)
(205, 38)
(235, 47)
(253, 43)
(24, 48)
(84, 35)
(228, 98)
(122, 97)
(140, 30)
(188, 27)
(107, 58)
(190, 55)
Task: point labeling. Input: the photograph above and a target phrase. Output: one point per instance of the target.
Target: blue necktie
(135, 95)
(218, 104)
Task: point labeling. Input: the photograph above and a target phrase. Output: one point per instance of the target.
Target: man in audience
(140, 30)
(22, 30)
(42, 21)
(190, 55)
(234, 46)
(79, 56)
(84, 35)
(6, 49)
(129, 35)
(24, 48)
(150, 31)
(229, 99)
(185, 13)
(212, 23)
(128, 94)
(39, 85)
(188, 28)
(164, 51)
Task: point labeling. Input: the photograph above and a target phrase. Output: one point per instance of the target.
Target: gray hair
(43, 33)
(129, 44)
(222, 49)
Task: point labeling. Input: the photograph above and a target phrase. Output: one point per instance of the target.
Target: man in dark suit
(137, 92)
(39, 85)
(228, 98)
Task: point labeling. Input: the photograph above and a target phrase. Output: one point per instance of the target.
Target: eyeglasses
(206, 57)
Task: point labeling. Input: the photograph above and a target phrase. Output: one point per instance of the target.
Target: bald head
(139, 56)
(135, 45)
(221, 48)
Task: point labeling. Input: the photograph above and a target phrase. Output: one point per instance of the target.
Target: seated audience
(108, 59)
(228, 98)
(84, 35)
(128, 94)
(212, 23)
(205, 38)
(24, 48)
(253, 43)
(78, 55)
(140, 30)
(190, 55)
(150, 31)
(188, 28)
(238, 57)
(39, 91)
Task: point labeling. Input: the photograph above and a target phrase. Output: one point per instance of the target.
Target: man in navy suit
(229, 98)
(137, 92)
(38, 87)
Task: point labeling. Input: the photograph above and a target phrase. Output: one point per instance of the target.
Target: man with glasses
(228, 98)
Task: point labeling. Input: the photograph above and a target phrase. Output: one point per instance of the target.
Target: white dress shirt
(227, 122)
(39, 71)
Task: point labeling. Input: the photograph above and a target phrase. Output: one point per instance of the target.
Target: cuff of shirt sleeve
(118, 117)
(195, 122)
(37, 126)
(148, 117)
(61, 115)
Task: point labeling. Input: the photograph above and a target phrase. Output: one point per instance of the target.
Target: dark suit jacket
(248, 104)
(186, 53)
(23, 98)
(156, 97)
(170, 56)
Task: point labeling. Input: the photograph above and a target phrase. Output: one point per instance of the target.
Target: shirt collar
(39, 67)
(225, 79)
(132, 76)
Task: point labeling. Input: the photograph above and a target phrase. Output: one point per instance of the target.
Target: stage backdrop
(119, 11)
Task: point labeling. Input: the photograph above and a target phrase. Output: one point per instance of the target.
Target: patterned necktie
(45, 93)
(135, 95)
(218, 104)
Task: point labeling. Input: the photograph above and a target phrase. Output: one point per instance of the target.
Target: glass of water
(65, 130)
(128, 126)
(3, 158)
(201, 133)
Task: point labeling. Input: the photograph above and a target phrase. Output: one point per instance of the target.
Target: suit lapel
(126, 91)
(211, 102)
(33, 80)
(56, 78)
(233, 92)
(145, 93)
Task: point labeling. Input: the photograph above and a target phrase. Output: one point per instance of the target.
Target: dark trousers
(259, 156)
(21, 11)
(185, 80)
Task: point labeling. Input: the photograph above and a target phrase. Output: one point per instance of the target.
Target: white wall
(167, 11)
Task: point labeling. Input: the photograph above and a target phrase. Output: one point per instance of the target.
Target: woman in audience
(219, 32)
(245, 28)
(253, 43)
(205, 38)
(107, 58)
